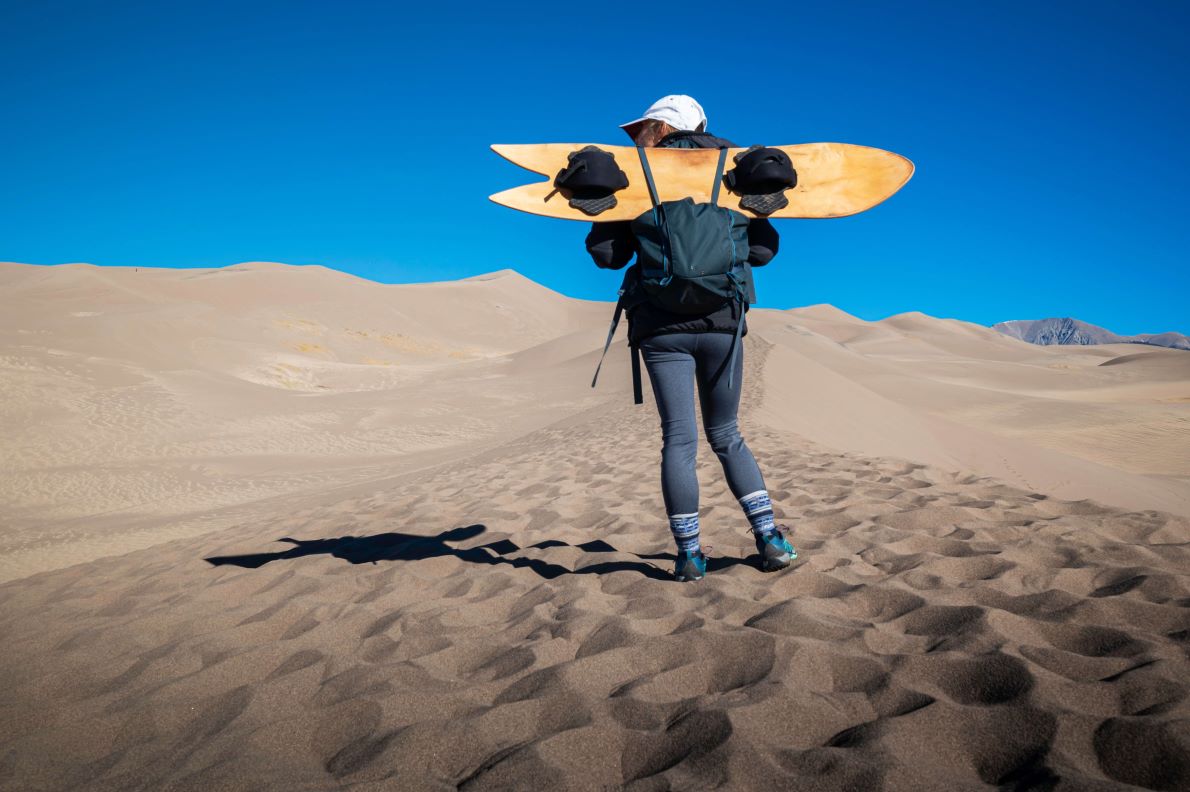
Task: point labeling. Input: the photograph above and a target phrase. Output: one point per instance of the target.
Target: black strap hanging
(637, 391)
(610, 333)
(736, 341)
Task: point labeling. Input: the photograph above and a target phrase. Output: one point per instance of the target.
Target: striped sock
(684, 527)
(759, 510)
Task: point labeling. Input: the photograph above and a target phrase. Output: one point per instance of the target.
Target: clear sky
(1050, 139)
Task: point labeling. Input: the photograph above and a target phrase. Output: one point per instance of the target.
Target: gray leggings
(676, 361)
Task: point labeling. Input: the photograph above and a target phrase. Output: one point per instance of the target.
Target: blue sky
(1050, 139)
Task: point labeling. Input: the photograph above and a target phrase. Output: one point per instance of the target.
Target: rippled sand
(492, 609)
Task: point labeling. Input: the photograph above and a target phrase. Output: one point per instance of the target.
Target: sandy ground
(281, 528)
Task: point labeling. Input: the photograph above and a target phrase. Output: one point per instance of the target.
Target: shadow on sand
(410, 547)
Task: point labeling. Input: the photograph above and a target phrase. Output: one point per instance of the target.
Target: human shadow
(411, 547)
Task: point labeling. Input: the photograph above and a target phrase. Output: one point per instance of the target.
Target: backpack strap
(637, 391)
(644, 164)
(718, 176)
(736, 341)
(610, 333)
(740, 302)
(659, 218)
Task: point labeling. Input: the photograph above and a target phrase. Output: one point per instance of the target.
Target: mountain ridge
(1067, 331)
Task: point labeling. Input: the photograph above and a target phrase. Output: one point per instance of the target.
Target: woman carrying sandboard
(696, 228)
(695, 347)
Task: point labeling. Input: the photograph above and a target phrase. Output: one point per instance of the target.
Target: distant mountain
(1072, 331)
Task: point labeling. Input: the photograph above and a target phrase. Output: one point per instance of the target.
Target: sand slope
(499, 616)
(1078, 422)
(135, 405)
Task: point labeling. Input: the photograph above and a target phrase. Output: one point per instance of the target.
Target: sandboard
(834, 179)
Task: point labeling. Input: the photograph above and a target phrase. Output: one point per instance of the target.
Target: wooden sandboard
(834, 179)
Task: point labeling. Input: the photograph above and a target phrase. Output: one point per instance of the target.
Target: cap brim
(631, 127)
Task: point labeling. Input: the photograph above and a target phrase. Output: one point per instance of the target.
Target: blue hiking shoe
(775, 550)
(690, 566)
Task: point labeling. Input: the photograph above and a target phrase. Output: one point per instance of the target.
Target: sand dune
(282, 528)
(967, 398)
(138, 403)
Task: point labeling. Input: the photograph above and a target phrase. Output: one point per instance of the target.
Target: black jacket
(613, 245)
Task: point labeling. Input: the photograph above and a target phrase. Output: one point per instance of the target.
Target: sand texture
(241, 556)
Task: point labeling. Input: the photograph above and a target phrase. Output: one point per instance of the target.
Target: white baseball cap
(678, 110)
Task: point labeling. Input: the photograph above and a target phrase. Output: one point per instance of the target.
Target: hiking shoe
(690, 566)
(775, 550)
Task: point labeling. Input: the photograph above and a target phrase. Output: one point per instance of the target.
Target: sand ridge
(141, 405)
(137, 402)
(497, 612)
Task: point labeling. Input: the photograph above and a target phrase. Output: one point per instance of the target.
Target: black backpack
(691, 254)
(692, 260)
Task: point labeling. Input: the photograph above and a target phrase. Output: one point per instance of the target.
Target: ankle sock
(759, 511)
(684, 527)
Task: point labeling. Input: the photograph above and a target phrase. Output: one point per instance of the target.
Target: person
(680, 350)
